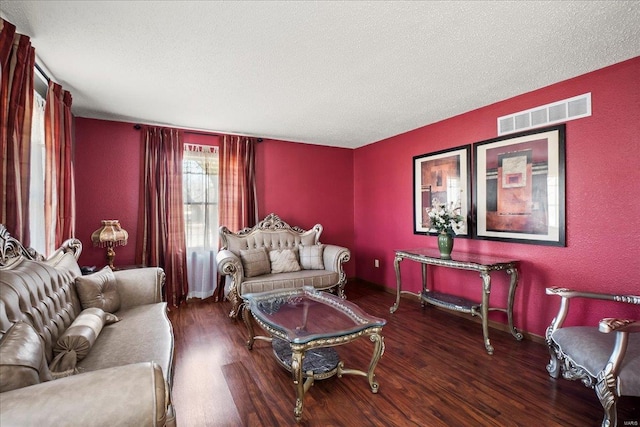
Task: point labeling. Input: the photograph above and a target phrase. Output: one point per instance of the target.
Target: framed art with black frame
(443, 176)
(519, 193)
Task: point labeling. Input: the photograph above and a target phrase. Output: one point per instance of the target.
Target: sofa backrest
(42, 293)
(271, 233)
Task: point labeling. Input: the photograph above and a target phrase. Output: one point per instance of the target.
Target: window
(37, 228)
(200, 194)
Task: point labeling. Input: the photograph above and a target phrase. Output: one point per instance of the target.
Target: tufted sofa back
(41, 293)
(270, 233)
(285, 239)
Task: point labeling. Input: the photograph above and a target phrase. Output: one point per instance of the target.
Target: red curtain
(238, 201)
(59, 196)
(161, 235)
(17, 60)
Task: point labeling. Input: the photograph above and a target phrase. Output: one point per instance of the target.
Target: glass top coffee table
(304, 325)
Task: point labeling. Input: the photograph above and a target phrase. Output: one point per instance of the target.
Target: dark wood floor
(434, 372)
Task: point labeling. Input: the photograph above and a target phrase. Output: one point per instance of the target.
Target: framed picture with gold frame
(519, 193)
(443, 176)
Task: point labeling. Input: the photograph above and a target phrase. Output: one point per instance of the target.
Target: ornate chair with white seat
(606, 357)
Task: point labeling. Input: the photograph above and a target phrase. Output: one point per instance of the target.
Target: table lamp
(110, 235)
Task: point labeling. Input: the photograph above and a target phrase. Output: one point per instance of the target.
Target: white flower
(444, 218)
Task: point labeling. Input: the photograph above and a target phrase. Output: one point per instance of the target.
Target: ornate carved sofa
(606, 357)
(63, 363)
(261, 259)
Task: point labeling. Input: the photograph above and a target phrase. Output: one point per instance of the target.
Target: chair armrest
(622, 328)
(229, 264)
(139, 286)
(610, 324)
(567, 294)
(570, 293)
(135, 395)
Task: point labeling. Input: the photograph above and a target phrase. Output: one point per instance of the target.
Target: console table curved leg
(396, 265)
(484, 309)
(378, 351)
(513, 274)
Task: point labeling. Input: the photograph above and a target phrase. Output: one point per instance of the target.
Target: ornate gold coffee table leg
(246, 317)
(378, 351)
(296, 370)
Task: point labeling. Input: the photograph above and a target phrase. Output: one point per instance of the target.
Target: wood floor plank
(434, 372)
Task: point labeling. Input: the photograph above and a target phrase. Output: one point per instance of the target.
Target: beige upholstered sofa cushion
(99, 290)
(255, 262)
(74, 344)
(284, 261)
(22, 358)
(311, 257)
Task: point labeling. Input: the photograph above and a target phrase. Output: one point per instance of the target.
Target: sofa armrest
(334, 256)
(133, 395)
(229, 264)
(140, 286)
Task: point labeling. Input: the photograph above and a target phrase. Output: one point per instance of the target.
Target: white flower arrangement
(445, 218)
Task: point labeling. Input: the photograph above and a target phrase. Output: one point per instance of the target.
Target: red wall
(108, 160)
(602, 202)
(363, 197)
(308, 184)
(304, 184)
(107, 166)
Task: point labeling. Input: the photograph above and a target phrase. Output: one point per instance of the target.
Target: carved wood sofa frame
(611, 366)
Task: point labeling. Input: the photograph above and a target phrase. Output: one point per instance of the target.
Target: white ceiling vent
(556, 112)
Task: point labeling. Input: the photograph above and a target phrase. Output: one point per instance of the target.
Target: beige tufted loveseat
(124, 374)
(274, 235)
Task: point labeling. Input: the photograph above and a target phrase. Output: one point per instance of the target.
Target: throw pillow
(22, 359)
(255, 262)
(311, 257)
(74, 344)
(283, 261)
(99, 290)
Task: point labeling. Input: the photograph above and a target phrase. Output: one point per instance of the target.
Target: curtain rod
(137, 126)
(194, 132)
(42, 73)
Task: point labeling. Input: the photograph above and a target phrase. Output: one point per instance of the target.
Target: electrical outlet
(376, 263)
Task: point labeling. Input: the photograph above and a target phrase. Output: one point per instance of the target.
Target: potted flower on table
(445, 219)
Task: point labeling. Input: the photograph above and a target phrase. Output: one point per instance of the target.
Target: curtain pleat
(238, 200)
(59, 170)
(161, 236)
(17, 60)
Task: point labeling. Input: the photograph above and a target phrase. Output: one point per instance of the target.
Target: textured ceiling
(332, 73)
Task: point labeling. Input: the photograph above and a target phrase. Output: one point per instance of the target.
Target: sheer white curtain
(200, 189)
(36, 185)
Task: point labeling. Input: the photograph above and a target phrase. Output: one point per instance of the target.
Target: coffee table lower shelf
(319, 363)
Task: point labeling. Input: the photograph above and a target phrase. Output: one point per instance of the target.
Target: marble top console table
(483, 264)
